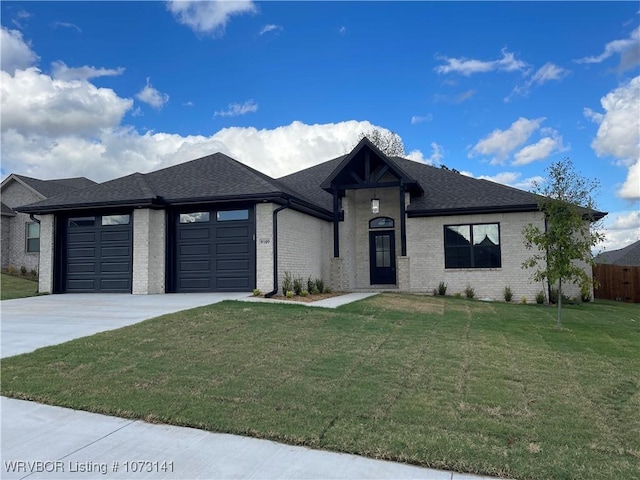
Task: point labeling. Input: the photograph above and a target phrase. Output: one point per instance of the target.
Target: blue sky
(495, 90)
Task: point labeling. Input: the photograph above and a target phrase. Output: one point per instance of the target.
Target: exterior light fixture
(375, 205)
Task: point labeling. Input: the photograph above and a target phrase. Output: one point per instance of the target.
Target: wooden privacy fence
(617, 282)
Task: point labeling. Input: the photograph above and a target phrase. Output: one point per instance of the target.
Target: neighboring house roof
(213, 178)
(50, 188)
(217, 178)
(627, 256)
(7, 211)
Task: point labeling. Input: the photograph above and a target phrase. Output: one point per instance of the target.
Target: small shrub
(314, 290)
(508, 294)
(469, 292)
(553, 298)
(457, 295)
(585, 293)
(289, 294)
(320, 285)
(256, 292)
(33, 274)
(287, 283)
(327, 290)
(297, 285)
(524, 299)
(540, 297)
(304, 293)
(11, 270)
(442, 288)
(23, 271)
(435, 292)
(310, 284)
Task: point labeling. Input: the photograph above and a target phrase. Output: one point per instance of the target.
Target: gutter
(34, 219)
(275, 249)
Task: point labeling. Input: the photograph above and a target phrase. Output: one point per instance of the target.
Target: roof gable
(367, 167)
(49, 188)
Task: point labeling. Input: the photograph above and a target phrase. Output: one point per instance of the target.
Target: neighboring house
(628, 256)
(21, 234)
(360, 221)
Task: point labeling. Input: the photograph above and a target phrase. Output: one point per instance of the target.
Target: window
(194, 217)
(33, 237)
(82, 222)
(381, 222)
(472, 246)
(228, 215)
(115, 220)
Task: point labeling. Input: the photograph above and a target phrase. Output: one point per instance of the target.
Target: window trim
(27, 237)
(471, 246)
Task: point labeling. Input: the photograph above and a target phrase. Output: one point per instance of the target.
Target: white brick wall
(425, 248)
(305, 245)
(149, 228)
(14, 250)
(45, 279)
(264, 246)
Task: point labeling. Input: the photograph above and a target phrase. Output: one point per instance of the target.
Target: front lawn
(16, 287)
(487, 388)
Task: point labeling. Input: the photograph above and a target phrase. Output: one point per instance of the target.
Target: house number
(265, 241)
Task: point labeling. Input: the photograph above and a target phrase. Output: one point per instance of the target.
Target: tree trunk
(559, 322)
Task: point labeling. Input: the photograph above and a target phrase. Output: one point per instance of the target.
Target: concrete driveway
(35, 322)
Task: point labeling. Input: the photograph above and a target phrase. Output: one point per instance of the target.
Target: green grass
(476, 387)
(16, 287)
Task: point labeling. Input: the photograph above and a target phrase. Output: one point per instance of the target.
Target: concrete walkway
(72, 444)
(331, 302)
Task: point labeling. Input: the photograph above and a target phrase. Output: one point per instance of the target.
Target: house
(628, 256)
(360, 221)
(20, 233)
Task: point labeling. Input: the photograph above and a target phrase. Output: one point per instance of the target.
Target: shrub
(297, 285)
(457, 295)
(442, 288)
(508, 294)
(469, 292)
(11, 270)
(320, 285)
(287, 283)
(553, 298)
(585, 293)
(33, 274)
(304, 293)
(256, 292)
(540, 297)
(327, 290)
(310, 284)
(314, 290)
(524, 299)
(23, 271)
(289, 294)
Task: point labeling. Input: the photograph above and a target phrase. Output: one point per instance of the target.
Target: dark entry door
(382, 257)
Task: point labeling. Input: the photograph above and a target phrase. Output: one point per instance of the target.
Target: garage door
(98, 254)
(215, 251)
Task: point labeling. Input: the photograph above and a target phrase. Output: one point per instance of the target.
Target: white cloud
(628, 48)
(67, 25)
(467, 67)
(437, 154)
(539, 150)
(15, 53)
(593, 116)
(35, 103)
(619, 133)
(152, 96)
(548, 72)
(237, 109)
(342, 30)
(60, 71)
(270, 28)
(511, 179)
(500, 143)
(621, 229)
(419, 119)
(209, 17)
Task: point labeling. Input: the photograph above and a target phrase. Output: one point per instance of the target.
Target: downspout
(275, 249)
(34, 219)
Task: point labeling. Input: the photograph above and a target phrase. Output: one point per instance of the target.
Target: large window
(472, 246)
(33, 237)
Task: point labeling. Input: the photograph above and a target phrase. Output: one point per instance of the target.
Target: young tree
(388, 142)
(566, 199)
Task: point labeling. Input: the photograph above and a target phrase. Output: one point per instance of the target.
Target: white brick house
(360, 221)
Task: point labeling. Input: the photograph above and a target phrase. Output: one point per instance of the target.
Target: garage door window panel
(232, 215)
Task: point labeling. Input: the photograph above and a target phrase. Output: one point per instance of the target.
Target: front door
(382, 257)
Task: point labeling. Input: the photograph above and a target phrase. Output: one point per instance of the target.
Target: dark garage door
(215, 251)
(98, 254)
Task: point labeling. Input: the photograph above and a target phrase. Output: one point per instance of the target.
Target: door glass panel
(194, 217)
(115, 220)
(82, 222)
(228, 215)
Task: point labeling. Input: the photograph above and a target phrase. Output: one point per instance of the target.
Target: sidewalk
(74, 444)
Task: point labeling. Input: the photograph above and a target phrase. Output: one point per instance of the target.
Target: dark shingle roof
(52, 188)
(215, 177)
(8, 211)
(628, 256)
